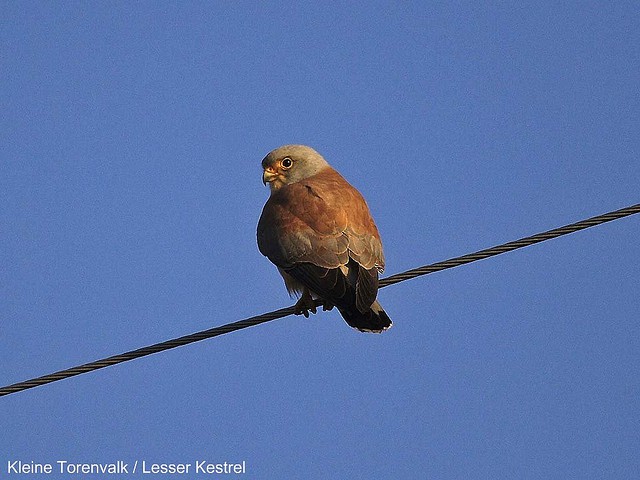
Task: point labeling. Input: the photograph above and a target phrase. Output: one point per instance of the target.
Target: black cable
(283, 312)
(507, 247)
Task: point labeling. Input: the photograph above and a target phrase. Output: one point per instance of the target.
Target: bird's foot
(305, 305)
(326, 306)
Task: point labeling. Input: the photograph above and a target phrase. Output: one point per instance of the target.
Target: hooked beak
(269, 175)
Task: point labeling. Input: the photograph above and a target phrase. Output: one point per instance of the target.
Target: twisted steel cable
(514, 245)
(283, 312)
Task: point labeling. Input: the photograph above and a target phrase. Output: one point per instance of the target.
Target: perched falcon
(317, 229)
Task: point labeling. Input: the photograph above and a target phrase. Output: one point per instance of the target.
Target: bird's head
(290, 164)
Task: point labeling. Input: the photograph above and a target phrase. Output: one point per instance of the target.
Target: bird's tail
(375, 320)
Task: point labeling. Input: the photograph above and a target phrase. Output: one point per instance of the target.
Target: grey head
(290, 164)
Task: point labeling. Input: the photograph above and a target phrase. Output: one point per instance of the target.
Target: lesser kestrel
(317, 229)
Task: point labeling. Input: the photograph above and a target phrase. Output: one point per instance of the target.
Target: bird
(318, 231)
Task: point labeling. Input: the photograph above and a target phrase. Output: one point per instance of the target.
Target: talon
(305, 304)
(326, 306)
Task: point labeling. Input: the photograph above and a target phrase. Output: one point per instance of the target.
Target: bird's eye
(286, 163)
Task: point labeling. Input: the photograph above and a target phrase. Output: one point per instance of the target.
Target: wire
(283, 312)
(514, 245)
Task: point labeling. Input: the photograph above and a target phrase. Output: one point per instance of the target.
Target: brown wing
(318, 225)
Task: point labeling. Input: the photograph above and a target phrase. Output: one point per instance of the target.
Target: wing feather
(312, 228)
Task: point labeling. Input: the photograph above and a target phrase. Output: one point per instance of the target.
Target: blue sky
(130, 188)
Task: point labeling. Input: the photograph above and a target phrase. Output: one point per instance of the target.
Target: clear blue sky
(131, 137)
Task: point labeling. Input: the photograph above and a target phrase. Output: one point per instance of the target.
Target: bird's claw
(305, 305)
(304, 310)
(326, 306)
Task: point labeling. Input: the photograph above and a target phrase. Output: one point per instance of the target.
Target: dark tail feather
(375, 320)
